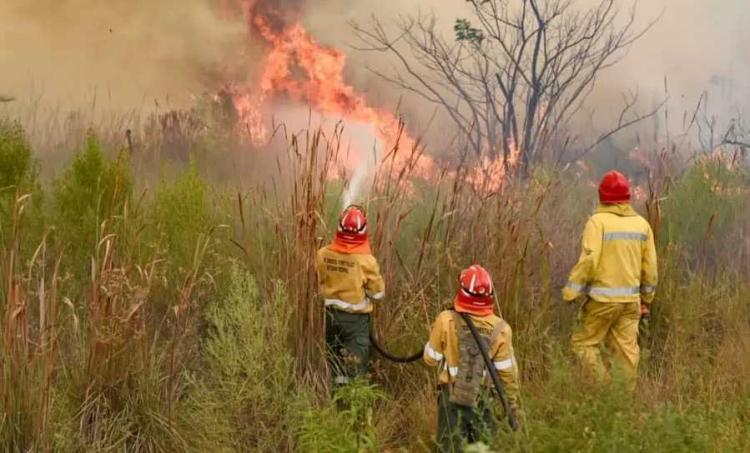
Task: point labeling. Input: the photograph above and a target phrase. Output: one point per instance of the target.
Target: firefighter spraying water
(470, 344)
(350, 280)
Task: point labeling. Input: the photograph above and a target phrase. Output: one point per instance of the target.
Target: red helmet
(614, 188)
(352, 228)
(476, 291)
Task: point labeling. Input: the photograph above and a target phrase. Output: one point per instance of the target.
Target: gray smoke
(133, 51)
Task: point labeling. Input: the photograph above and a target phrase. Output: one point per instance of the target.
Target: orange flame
(300, 69)
(488, 177)
(306, 72)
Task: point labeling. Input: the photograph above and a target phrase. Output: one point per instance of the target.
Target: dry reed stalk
(116, 340)
(28, 350)
(310, 173)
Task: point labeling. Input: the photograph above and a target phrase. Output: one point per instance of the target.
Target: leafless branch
(622, 123)
(514, 82)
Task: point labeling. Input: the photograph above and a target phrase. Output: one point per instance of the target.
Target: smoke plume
(134, 51)
(696, 45)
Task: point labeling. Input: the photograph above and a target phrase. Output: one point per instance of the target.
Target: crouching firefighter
(617, 274)
(349, 278)
(466, 411)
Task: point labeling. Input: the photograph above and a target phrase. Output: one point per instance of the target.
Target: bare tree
(515, 74)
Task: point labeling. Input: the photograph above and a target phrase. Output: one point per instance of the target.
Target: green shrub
(89, 200)
(181, 213)
(343, 425)
(18, 178)
(16, 165)
(244, 393)
(571, 414)
(701, 211)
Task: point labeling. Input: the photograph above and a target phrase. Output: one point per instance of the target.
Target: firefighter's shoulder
(497, 322)
(644, 222)
(367, 258)
(597, 218)
(444, 318)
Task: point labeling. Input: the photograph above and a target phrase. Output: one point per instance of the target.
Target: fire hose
(493, 372)
(485, 355)
(393, 358)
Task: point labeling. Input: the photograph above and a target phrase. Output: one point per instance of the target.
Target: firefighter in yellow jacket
(465, 408)
(349, 278)
(617, 272)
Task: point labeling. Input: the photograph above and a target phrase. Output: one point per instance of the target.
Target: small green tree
(90, 198)
(181, 213)
(18, 178)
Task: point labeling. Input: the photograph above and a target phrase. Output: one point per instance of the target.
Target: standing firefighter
(617, 274)
(349, 278)
(465, 405)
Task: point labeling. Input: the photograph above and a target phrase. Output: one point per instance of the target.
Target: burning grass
(182, 315)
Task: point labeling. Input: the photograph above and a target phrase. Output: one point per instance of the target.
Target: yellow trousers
(615, 324)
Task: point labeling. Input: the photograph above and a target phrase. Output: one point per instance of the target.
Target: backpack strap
(457, 320)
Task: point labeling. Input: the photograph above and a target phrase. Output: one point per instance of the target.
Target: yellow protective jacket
(442, 350)
(349, 282)
(618, 258)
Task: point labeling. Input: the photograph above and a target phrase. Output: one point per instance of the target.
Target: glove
(645, 311)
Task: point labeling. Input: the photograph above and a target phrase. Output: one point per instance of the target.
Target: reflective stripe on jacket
(349, 281)
(618, 258)
(442, 350)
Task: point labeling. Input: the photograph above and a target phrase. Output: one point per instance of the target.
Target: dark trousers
(457, 424)
(347, 344)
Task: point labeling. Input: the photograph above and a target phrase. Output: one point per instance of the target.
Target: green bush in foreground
(571, 415)
(16, 163)
(244, 392)
(345, 425)
(89, 199)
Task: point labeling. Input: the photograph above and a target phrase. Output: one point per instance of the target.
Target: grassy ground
(151, 306)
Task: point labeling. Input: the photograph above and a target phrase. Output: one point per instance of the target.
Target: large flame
(299, 69)
(302, 70)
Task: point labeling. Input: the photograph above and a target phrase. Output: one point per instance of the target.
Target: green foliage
(244, 394)
(705, 201)
(346, 425)
(136, 414)
(18, 178)
(16, 164)
(572, 414)
(181, 213)
(213, 368)
(465, 32)
(92, 192)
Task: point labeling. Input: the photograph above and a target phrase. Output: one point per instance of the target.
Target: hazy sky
(696, 44)
(142, 49)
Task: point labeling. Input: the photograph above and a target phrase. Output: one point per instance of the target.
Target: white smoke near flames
(359, 146)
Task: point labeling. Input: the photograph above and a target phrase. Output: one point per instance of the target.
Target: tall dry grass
(182, 314)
